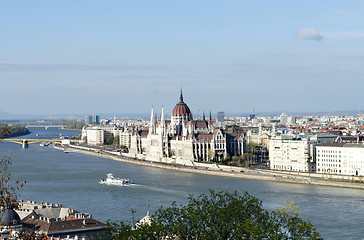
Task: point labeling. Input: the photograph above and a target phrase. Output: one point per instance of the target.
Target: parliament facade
(183, 140)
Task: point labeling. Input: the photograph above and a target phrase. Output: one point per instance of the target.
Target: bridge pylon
(25, 144)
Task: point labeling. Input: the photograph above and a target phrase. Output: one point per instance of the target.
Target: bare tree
(8, 190)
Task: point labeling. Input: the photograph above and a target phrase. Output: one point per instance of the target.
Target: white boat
(111, 180)
(44, 144)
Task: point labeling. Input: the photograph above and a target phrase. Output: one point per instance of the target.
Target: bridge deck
(21, 141)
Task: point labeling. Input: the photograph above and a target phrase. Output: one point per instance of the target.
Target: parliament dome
(181, 109)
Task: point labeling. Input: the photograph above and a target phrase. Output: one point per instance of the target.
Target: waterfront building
(125, 138)
(96, 135)
(184, 140)
(292, 154)
(295, 153)
(340, 158)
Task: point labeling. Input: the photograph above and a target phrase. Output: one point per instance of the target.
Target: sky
(95, 57)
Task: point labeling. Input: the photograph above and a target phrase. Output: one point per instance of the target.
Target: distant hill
(9, 116)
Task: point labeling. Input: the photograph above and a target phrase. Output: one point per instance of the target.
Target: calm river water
(72, 180)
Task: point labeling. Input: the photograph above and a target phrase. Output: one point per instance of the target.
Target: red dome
(181, 109)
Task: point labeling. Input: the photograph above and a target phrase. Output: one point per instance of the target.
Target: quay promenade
(229, 171)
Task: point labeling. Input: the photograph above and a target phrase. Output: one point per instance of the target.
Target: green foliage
(109, 140)
(210, 155)
(78, 137)
(12, 130)
(292, 225)
(220, 215)
(116, 141)
(73, 124)
(249, 156)
(253, 147)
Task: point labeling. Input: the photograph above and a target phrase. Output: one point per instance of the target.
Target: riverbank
(227, 171)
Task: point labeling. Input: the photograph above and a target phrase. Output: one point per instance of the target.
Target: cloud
(308, 34)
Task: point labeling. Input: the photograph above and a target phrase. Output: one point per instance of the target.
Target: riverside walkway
(229, 171)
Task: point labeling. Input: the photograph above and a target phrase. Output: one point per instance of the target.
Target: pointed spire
(152, 122)
(162, 123)
(152, 115)
(162, 115)
(203, 116)
(181, 96)
(148, 212)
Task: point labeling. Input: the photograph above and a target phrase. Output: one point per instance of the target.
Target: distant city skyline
(92, 57)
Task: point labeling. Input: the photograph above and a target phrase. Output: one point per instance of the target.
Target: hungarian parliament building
(183, 140)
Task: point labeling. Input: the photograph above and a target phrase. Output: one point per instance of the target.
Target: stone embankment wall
(228, 171)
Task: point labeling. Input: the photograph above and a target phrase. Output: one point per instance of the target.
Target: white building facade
(95, 136)
(340, 158)
(291, 154)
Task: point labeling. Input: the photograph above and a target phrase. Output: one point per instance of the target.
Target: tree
(12, 130)
(116, 141)
(249, 158)
(236, 160)
(28, 235)
(211, 155)
(8, 190)
(73, 124)
(8, 193)
(4, 130)
(220, 215)
(109, 140)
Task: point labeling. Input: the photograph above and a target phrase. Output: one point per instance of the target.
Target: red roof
(204, 136)
(201, 124)
(181, 109)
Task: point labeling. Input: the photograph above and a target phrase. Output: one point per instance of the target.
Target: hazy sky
(125, 56)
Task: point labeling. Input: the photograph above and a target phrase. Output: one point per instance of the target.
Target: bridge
(25, 142)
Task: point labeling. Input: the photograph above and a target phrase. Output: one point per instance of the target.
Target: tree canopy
(13, 130)
(220, 215)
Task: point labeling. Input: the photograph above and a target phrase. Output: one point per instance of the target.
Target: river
(72, 180)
